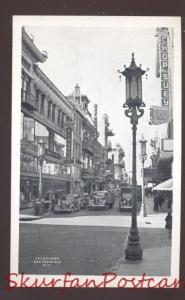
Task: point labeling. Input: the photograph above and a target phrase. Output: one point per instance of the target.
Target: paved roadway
(93, 245)
(80, 250)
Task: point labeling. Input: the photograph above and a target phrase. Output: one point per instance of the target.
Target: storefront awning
(165, 158)
(166, 185)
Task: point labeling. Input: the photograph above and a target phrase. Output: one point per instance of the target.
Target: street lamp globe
(133, 77)
(41, 147)
(143, 147)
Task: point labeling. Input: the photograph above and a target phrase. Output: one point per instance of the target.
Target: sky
(91, 56)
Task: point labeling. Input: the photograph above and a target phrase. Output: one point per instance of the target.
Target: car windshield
(126, 190)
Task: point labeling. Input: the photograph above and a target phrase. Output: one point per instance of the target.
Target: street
(86, 212)
(79, 250)
(90, 245)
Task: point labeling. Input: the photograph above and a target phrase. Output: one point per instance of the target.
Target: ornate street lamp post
(41, 153)
(134, 111)
(154, 155)
(143, 157)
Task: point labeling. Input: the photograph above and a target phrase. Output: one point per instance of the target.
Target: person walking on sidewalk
(156, 202)
(168, 226)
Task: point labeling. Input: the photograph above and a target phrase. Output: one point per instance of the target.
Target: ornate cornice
(40, 56)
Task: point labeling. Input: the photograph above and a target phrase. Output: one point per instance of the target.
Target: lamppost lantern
(133, 75)
(41, 149)
(134, 111)
(143, 147)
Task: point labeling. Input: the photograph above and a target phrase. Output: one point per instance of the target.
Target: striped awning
(166, 185)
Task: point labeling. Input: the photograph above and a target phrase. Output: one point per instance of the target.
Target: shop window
(41, 132)
(60, 145)
(28, 129)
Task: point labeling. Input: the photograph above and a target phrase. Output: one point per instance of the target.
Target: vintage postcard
(96, 151)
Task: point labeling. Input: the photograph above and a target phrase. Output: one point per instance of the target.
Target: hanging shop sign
(151, 173)
(159, 115)
(163, 63)
(167, 145)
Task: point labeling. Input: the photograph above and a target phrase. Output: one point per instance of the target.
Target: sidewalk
(156, 260)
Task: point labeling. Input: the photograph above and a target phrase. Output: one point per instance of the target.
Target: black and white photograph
(96, 146)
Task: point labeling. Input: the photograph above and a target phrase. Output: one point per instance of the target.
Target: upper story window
(37, 94)
(42, 104)
(49, 109)
(62, 119)
(25, 88)
(59, 117)
(53, 112)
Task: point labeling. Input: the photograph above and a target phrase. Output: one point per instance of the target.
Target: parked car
(67, 203)
(84, 200)
(97, 200)
(125, 202)
(101, 200)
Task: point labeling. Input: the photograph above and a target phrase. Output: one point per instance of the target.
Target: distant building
(116, 155)
(91, 150)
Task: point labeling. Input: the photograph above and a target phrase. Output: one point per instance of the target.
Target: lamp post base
(143, 212)
(134, 250)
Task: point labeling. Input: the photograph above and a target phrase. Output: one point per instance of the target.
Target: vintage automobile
(67, 203)
(101, 200)
(125, 202)
(97, 200)
(84, 200)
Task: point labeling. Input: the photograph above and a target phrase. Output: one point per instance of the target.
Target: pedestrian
(168, 225)
(161, 201)
(156, 202)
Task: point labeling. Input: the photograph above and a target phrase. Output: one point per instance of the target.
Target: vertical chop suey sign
(162, 34)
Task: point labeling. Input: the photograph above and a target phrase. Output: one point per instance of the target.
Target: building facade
(74, 160)
(91, 152)
(116, 155)
(45, 113)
